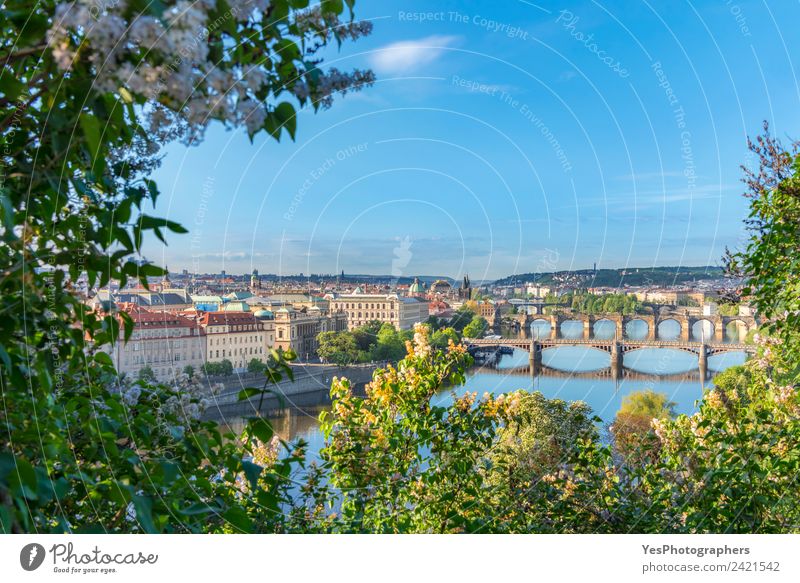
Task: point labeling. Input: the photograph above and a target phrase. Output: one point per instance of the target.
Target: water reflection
(636, 330)
(669, 330)
(572, 329)
(540, 329)
(605, 329)
(703, 331)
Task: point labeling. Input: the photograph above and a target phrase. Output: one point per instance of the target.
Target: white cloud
(404, 56)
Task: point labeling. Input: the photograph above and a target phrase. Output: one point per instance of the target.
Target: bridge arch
(604, 328)
(703, 329)
(571, 327)
(540, 328)
(669, 329)
(637, 328)
(735, 329)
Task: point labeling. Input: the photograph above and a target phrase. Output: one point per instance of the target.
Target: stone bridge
(615, 348)
(521, 324)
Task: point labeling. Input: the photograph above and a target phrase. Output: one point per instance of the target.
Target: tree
(367, 335)
(340, 348)
(88, 95)
(441, 338)
(255, 366)
(540, 436)
(222, 368)
(146, 373)
(476, 328)
(633, 422)
(390, 344)
(398, 463)
(769, 261)
(189, 370)
(648, 403)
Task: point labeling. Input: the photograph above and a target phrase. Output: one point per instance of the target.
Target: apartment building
(164, 341)
(237, 336)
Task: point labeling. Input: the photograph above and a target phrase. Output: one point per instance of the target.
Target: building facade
(401, 312)
(298, 330)
(164, 341)
(237, 336)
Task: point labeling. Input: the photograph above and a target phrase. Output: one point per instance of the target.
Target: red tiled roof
(223, 318)
(151, 318)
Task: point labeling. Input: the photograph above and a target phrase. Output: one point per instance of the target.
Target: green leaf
(144, 513)
(238, 518)
(260, 428)
(287, 117)
(103, 358)
(91, 131)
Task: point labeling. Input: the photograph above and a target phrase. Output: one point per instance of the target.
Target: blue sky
(503, 137)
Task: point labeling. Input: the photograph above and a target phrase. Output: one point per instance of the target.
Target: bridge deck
(608, 344)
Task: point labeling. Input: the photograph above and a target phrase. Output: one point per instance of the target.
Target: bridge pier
(555, 326)
(686, 328)
(616, 359)
(702, 361)
(535, 358)
(587, 328)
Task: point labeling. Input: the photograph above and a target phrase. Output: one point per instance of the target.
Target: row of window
(257, 350)
(237, 340)
(163, 345)
(372, 315)
(147, 359)
(368, 306)
(159, 333)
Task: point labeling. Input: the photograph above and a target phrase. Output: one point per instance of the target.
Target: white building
(401, 312)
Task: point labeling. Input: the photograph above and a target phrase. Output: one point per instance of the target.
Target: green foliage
(728, 309)
(541, 435)
(632, 426)
(462, 318)
(338, 347)
(476, 328)
(586, 303)
(222, 368)
(256, 366)
(648, 403)
(397, 463)
(440, 339)
(770, 262)
(146, 373)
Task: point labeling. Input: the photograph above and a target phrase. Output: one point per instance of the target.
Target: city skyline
(499, 140)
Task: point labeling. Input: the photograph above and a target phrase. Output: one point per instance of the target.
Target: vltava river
(682, 385)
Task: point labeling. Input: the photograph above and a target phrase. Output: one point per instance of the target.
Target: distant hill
(635, 276)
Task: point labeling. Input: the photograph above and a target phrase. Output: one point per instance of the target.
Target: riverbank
(311, 384)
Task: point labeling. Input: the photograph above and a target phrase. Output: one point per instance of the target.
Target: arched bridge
(615, 348)
(521, 324)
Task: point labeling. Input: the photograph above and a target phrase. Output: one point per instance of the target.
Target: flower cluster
(174, 60)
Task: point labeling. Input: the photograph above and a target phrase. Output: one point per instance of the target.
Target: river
(668, 371)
